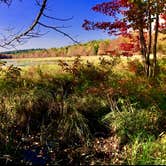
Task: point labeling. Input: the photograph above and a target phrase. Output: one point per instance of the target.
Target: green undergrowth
(86, 113)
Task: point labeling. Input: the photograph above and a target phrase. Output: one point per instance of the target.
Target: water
(31, 62)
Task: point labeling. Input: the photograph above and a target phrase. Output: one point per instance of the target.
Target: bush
(73, 128)
(149, 152)
(136, 67)
(127, 121)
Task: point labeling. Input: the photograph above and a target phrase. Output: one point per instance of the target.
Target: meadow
(23, 62)
(82, 110)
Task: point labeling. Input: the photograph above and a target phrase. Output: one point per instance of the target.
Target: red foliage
(162, 26)
(123, 13)
(127, 46)
(116, 8)
(126, 15)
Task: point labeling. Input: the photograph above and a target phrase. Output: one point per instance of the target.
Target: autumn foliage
(146, 18)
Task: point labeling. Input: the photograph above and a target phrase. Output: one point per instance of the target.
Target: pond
(32, 62)
(23, 62)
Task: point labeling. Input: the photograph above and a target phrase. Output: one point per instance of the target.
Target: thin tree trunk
(155, 43)
(148, 64)
(143, 46)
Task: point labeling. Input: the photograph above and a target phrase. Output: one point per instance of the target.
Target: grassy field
(50, 60)
(51, 64)
(100, 112)
(22, 62)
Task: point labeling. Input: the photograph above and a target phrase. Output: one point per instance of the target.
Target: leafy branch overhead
(34, 29)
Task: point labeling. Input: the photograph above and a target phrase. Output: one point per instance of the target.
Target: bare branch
(8, 2)
(19, 38)
(30, 28)
(56, 29)
(58, 19)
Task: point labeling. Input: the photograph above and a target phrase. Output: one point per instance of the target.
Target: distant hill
(95, 47)
(20, 51)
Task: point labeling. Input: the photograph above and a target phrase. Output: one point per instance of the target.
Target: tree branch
(20, 37)
(56, 29)
(58, 19)
(31, 28)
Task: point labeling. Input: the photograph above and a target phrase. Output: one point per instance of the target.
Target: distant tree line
(95, 47)
(21, 51)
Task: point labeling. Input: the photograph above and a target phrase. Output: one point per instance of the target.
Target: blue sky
(20, 14)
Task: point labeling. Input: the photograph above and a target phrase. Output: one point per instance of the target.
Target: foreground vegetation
(86, 113)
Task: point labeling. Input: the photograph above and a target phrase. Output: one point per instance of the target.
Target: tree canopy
(141, 16)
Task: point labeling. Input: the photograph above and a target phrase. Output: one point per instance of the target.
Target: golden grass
(50, 64)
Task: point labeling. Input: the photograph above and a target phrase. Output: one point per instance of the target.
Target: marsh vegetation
(103, 111)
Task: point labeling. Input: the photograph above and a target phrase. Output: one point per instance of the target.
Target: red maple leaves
(126, 17)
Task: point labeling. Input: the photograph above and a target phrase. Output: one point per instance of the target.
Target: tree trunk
(143, 47)
(155, 43)
(148, 63)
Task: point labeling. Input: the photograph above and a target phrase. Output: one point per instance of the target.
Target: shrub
(136, 67)
(126, 120)
(72, 127)
(149, 152)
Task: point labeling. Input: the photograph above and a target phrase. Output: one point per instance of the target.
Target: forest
(102, 102)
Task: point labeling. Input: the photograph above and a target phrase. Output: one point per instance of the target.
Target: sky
(21, 14)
